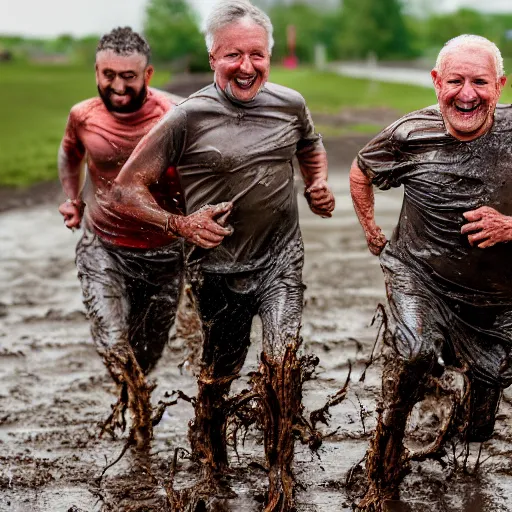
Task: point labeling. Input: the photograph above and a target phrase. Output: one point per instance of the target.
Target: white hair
(471, 41)
(232, 11)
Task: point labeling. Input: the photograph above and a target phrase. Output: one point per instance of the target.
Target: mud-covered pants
(227, 304)
(130, 295)
(424, 343)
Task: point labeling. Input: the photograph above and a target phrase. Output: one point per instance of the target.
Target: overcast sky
(82, 17)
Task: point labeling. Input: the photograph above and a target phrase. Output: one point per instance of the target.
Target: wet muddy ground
(54, 389)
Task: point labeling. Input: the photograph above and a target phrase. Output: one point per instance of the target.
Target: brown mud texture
(55, 392)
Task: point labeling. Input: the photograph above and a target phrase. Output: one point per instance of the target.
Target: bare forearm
(363, 199)
(70, 173)
(313, 164)
(361, 190)
(136, 203)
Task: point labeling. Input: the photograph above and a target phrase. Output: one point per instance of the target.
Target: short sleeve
(383, 161)
(71, 144)
(307, 128)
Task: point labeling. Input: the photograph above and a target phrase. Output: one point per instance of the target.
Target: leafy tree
(172, 30)
(373, 26)
(309, 27)
(442, 27)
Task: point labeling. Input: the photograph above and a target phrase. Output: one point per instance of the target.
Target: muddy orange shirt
(106, 139)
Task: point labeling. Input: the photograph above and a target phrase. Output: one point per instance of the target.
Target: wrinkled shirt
(241, 152)
(107, 139)
(443, 178)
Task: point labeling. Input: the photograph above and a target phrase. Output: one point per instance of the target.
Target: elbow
(115, 197)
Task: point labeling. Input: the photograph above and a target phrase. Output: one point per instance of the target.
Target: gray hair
(232, 11)
(124, 41)
(471, 41)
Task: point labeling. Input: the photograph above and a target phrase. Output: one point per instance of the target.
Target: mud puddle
(54, 389)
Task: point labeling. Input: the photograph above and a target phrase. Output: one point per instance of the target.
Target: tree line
(351, 30)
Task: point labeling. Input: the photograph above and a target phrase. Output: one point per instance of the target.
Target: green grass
(35, 101)
(327, 92)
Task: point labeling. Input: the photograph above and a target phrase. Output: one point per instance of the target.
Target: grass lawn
(35, 101)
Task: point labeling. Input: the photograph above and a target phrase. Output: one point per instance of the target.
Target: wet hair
(124, 41)
(471, 41)
(232, 11)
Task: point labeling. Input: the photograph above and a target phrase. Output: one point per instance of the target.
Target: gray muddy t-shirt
(240, 152)
(443, 178)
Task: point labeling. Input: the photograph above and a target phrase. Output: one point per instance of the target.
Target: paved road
(373, 71)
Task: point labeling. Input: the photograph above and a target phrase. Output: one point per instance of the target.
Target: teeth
(244, 82)
(466, 107)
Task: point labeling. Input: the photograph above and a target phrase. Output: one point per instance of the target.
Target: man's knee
(416, 352)
(108, 338)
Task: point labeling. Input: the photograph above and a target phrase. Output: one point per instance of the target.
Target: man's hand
(320, 198)
(205, 227)
(72, 214)
(376, 241)
(487, 227)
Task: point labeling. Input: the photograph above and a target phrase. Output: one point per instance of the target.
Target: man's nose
(246, 66)
(467, 92)
(118, 85)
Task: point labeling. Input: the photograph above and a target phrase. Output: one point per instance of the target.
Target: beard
(135, 103)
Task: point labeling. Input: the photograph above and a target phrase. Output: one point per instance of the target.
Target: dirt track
(54, 389)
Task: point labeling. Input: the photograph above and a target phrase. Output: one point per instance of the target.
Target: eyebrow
(120, 72)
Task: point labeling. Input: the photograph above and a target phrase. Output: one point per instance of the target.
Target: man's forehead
(469, 58)
(243, 31)
(113, 60)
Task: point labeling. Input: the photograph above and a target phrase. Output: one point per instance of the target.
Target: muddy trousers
(403, 385)
(131, 297)
(227, 305)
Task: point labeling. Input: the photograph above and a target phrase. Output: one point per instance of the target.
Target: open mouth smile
(245, 83)
(466, 109)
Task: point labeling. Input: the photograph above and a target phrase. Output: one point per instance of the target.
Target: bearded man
(130, 274)
(447, 265)
(234, 141)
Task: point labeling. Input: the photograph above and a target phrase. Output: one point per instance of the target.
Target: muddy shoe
(485, 401)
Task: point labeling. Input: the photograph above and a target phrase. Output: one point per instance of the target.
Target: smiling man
(234, 141)
(130, 274)
(447, 265)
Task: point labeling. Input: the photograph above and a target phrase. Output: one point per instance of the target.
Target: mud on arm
(130, 196)
(71, 160)
(361, 190)
(312, 159)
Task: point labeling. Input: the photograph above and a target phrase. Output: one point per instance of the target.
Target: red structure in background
(291, 61)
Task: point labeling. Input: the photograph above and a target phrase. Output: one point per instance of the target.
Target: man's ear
(436, 79)
(148, 73)
(211, 60)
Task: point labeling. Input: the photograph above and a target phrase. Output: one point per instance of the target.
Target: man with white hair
(447, 266)
(234, 142)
